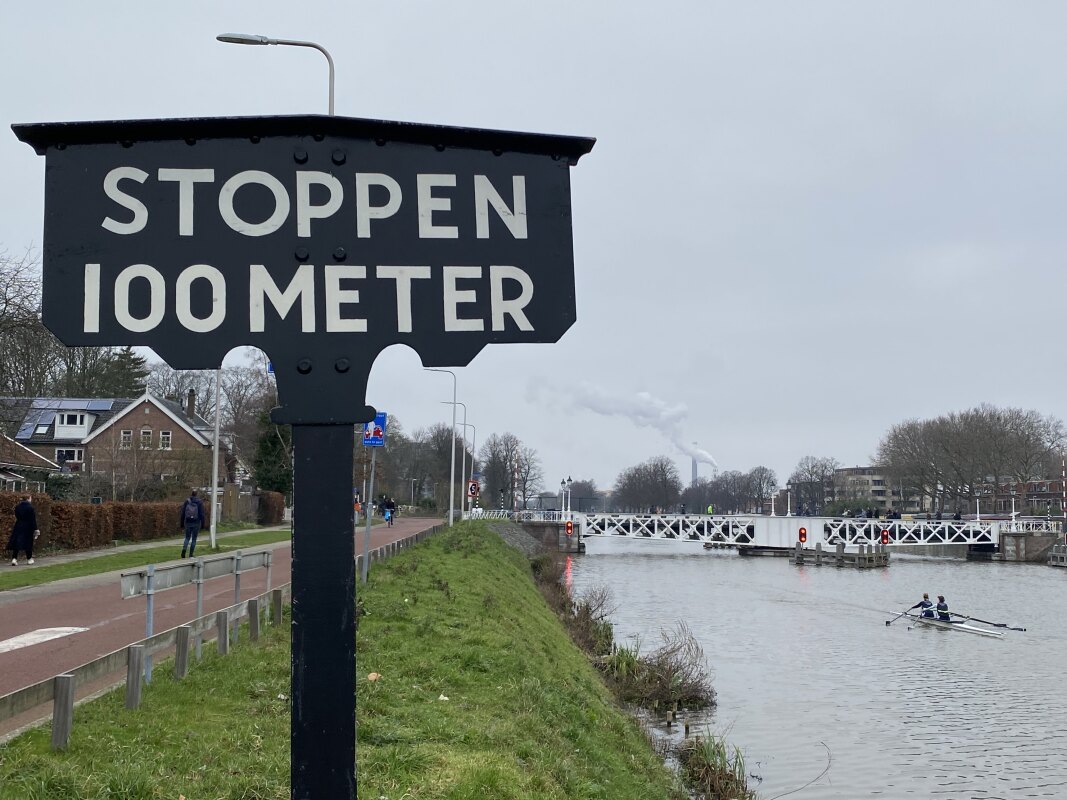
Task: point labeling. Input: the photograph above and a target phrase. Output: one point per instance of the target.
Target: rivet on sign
(301, 254)
(497, 151)
(303, 366)
(318, 137)
(380, 142)
(440, 148)
(253, 139)
(341, 365)
(127, 143)
(190, 142)
(339, 254)
(300, 155)
(339, 156)
(61, 146)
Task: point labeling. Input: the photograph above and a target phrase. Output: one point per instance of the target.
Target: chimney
(190, 404)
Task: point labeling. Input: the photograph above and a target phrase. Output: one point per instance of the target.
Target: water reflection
(802, 655)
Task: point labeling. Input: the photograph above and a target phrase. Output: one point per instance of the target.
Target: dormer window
(73, 425)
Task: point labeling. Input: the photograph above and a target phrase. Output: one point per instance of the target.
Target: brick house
(21, 469)
(124, 448)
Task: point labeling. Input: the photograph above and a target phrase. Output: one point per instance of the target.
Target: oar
(994, 624)
(889, 622)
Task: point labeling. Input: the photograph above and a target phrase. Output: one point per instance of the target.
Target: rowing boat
(953, 626)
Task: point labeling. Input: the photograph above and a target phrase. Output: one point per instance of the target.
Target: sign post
(373, 437)
(321, 240)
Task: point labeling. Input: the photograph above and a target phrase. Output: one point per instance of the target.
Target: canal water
(808, 674)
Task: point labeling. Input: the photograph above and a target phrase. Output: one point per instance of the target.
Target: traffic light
(803, 535)
(885, 536)
(569, 528)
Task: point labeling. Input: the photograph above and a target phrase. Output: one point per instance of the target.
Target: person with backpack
(191, 519)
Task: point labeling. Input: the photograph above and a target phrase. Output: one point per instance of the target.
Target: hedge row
(79, 526)
(271, 508)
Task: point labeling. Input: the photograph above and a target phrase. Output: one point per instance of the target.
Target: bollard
(134, 671)
(840, 554)
(181, 652)
(199, 581)
(62, 710)
(236, 591)
(860, 555)
(149, 594)
(270, 566)
(687, 729)
(798, 553)
(275, 606)
(222, 627)
(253, 619)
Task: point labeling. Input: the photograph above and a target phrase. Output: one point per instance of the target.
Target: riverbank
(467, 686)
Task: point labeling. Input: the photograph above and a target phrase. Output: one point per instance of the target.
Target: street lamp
(562, 498)
(249, 38)
(463, 458)
(570, 502)
(452, 466)
(474, 447)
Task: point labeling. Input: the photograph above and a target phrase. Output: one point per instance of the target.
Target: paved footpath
(93, 603)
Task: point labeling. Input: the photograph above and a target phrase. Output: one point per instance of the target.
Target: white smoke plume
(646, 411)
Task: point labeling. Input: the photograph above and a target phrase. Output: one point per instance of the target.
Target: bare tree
(529, 476)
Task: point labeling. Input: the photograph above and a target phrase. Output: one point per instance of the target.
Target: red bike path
(111, 623)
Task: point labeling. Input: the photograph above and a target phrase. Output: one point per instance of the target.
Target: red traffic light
(803, 534)
(569, 527)
(885, 536)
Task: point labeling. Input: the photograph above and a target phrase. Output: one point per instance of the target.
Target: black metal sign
(320, 240)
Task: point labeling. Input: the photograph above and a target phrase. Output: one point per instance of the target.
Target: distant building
(119, 444)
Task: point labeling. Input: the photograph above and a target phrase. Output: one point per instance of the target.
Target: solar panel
(99, 405)
(33, 418)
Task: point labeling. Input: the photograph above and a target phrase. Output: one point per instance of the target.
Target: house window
(73, 419)
(125, 440)
(164, 440)
(146, 438)
(69, 456)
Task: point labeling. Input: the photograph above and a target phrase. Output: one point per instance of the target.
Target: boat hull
(962, 627)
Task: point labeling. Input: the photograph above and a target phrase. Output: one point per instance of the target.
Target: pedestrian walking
(191, 519)
(24, 532)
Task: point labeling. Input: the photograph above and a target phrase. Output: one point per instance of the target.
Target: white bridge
(765, 531)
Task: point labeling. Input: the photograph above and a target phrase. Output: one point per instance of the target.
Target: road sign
(322, 241)
(472, 488)
(319, 240)
(374, 431)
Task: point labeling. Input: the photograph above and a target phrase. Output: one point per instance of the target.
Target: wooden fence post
(134, 674)
(253, 619)
(62, 710)
(840, 554)
(222, 624)
(276, 607)
(818, 554)
(181, 652)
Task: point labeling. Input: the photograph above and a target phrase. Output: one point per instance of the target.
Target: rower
(926, 605)
(942, 609)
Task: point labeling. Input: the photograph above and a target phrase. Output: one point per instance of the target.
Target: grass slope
(457, 617)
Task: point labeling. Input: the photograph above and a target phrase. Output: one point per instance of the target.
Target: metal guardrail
(150, 579)
(60, 689)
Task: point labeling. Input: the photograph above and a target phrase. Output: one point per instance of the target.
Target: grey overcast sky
(802, 223)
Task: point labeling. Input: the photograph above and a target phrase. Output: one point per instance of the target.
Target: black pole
(323, 745)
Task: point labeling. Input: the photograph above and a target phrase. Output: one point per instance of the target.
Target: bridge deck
(769, 531)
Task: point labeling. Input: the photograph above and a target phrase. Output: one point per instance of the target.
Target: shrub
(271, 508)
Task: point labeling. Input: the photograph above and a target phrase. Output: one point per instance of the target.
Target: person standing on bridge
(926, 605)
(191, 518)
(24, 531)
(942, 609)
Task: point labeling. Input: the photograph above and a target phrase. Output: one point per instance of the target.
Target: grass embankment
(481, 695)
(110, 560)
